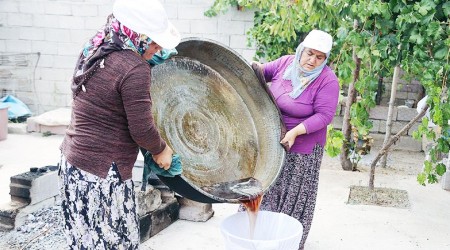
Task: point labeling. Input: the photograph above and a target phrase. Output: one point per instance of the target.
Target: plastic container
(3, 121)
(273, 231)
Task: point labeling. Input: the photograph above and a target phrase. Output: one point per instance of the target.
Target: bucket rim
(262, 211)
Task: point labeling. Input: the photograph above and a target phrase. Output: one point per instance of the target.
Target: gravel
(42, 229)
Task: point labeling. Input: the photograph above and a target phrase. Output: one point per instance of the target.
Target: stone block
(20, 191)
(44, 187)
(413, 128)
(375, 126)
(380, 112)
(35, 186)
(192, 13)
(445, 181)
(194, 211)
(8, 213)
(152, 223)
(33, 126)
(238, 41)
(337, 122)
(17, 128)
(57, 130)
(402, 95)
(148, 200)
(231, 27)
(396, 127)
(406, 114)
(406, 143)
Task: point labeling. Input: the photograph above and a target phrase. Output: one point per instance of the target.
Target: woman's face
(153, 48)
(311, 58)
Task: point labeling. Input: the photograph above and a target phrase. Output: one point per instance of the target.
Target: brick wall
(47, 35)
(401, 117)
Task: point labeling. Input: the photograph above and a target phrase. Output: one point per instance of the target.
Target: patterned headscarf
(114, 37)
(301, 78)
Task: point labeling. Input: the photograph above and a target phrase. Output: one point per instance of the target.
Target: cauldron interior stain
(210, 108)
(205, 118)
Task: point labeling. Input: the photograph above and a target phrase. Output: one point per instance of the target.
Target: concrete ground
(337, 225)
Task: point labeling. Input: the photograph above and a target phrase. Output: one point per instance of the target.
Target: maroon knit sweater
(113, 117)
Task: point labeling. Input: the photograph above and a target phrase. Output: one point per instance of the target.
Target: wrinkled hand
(164, 159)
(288, 139)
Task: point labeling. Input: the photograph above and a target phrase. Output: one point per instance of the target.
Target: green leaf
(441, 53)
(416, 37)
(446, 8)
(376, 53)
(421, 178)
(428, 167)
(431, 178)
(440, 169)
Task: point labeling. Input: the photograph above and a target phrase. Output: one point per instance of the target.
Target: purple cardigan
(315, 107)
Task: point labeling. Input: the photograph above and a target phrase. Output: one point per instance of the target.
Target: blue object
(16, 108)
(151, 166)
(160, 57)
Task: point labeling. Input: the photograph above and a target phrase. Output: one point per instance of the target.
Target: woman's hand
(288, 139)
(164, 159)
(290, 136)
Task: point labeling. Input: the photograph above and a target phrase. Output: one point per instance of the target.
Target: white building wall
(40, 41)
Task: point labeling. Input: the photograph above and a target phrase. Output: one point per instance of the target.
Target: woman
(306, 92)
(111, 118)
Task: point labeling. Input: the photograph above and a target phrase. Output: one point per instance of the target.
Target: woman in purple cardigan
(306, 91)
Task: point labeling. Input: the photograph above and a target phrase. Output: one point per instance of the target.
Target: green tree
(419, 28)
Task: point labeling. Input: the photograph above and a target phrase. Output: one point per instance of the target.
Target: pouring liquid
(252, 208)
(249, 193)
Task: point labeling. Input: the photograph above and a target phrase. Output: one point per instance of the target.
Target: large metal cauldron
(212, 110)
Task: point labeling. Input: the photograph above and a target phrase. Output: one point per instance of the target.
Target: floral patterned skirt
(99, 213)
(295, 190)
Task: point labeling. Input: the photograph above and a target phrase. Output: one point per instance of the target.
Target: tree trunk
(391, 141)
(390, 112)
(379, 90)
(346, 126)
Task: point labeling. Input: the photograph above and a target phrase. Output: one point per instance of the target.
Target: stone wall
(378, 115)
(40, 41)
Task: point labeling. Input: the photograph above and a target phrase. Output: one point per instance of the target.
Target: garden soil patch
(387, 197)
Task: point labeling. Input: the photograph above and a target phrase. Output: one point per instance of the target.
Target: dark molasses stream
(248, 191)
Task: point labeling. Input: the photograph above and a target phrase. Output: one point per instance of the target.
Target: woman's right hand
(291, 135)
(288, 139)
(164, 159)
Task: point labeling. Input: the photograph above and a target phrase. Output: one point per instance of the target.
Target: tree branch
(391, 141)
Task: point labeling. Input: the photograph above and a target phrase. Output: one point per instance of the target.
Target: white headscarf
(301, 78)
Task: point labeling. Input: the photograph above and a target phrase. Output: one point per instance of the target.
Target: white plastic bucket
(273, 231)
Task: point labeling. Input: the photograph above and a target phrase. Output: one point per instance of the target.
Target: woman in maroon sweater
(111, 119)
